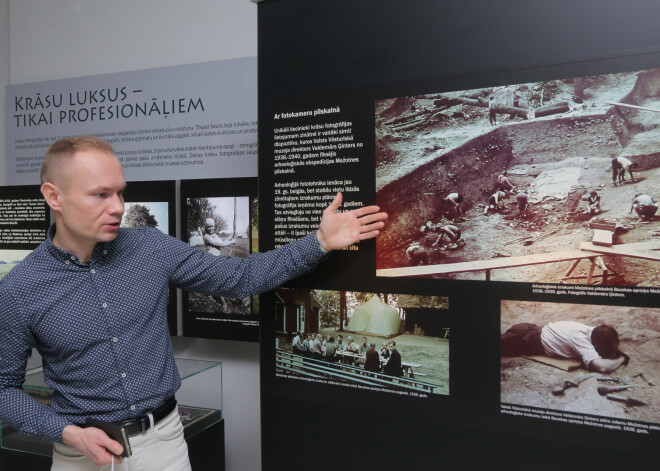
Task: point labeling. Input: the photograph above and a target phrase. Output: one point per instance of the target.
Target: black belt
(141, 424)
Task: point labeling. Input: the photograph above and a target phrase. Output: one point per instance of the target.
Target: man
(503, 183)
(645, 206)
(297, 344)
(92, 300)
(492, 105)
(619, 167)
(330, 350)
(494, 201)
(393, 365)
(307, 346)
(452, 232)
(523, 203)
(341, 345)
(372, 362)
(455, 199)
(384, 350)
(417, 254)
(593, 203)
(365, 346)
(317, 347)
(597, 347)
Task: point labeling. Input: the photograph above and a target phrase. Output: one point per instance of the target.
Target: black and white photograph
(587, 359)
(221, 227)
(146, 214)
(377, 341)
(553, 181)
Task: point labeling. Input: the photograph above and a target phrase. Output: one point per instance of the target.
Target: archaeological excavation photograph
(555, 181)
(580, 358)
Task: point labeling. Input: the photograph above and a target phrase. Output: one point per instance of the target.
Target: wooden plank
(606, 226)
(478, 265)
(647, 245)
(622, 250)
(626, 105)
(602, 237)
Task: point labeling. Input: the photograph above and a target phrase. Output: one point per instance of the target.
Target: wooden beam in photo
(626, 105)
(487, 265)
(622, 250)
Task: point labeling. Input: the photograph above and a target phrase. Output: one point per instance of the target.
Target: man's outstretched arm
(605, 365)
(339, 230)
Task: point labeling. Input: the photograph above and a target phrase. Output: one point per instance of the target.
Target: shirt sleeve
(17, 408)
(196, 270)
(583, 346)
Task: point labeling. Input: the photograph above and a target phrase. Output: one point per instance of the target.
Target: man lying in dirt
(494, 201)
(645, 206)
(597, 347)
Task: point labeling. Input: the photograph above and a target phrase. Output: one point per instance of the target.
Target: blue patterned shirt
(101, 328)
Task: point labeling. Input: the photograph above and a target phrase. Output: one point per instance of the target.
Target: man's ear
(52, 195)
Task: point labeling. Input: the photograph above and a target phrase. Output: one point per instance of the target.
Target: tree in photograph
(329, 312)
(198, 210)
(139, 215)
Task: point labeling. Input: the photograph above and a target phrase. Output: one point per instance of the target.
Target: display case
(200, 408)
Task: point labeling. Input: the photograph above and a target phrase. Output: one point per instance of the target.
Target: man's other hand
(94, 443)
(339, 230)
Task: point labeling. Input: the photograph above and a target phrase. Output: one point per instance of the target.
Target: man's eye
(101, 195)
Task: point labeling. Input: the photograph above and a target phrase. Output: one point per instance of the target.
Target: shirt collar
(67, 257)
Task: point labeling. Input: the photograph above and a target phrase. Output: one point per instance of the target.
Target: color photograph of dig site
(557, 378)
(553, 181)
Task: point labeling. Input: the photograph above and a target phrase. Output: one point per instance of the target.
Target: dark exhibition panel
(513, 145)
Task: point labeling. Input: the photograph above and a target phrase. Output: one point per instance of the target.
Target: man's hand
(93, 443)
(339, 230)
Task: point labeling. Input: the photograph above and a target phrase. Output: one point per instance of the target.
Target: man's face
(91, 200)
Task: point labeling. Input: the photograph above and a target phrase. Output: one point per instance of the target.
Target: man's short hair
(605, 340)
(61, 151)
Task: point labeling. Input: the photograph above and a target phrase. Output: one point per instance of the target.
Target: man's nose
(116, 205)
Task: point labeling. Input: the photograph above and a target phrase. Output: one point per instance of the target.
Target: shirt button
(67, 262)
(123, 375)
(115, 339)
(93, 271)
(105, 252)
(105, 304)
(73, 258)
(133, 407)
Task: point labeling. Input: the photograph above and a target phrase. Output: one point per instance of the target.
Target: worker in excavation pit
(619, 167)
(593, 203)
(452, 232)
(523, 203)
(494, 201)
(455, 199)
(645, 206)
(503, 183)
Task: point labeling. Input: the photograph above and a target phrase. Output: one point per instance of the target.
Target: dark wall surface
(317, 50)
